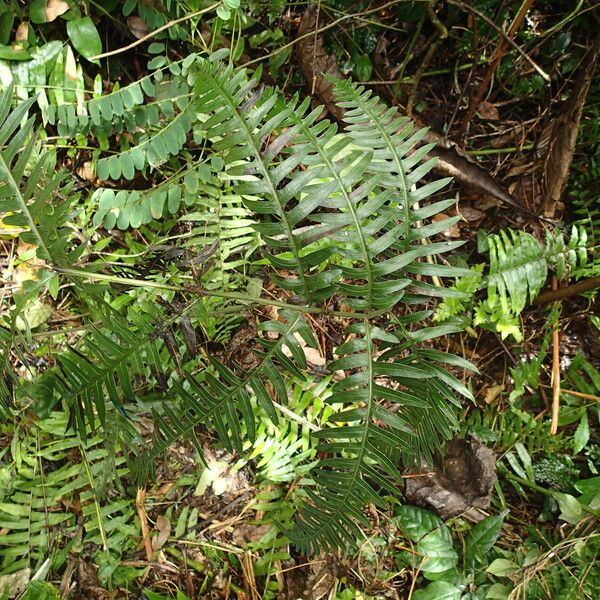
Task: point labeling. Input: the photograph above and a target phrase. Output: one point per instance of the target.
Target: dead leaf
(22, 31)
(16, 582)
(315, 63)
(163, 529)
(462, 482)
(559, 137)
(70, 65)
(86, 171)
(314, 358)
(471, 214)
(492, 392)
(453, 231)
(55, 8)
(137, 27)
(488, 111)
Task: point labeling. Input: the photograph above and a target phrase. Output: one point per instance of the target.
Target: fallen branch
(569, 291)
(498, 55)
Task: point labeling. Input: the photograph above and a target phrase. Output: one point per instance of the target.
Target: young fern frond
(519, 264)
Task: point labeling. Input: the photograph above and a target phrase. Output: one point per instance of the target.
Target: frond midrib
(356, 472)
(364, 106)
(342, 188)
(234, 108)
(6, 172)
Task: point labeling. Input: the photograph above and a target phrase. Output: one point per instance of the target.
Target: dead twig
(573, 393)
(508, 39)
(141, 511)
(498, 55)
(441, 35)
(555, 370)
(569, 291)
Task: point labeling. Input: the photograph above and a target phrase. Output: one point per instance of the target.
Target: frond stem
(6, 175)
(218, 294)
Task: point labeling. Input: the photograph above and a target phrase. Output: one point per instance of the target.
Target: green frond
(410, 414)
(519, 265)
(33, 511)
(153, 149)
(219, 398)
(141, 104)
(373, 125)
(104, 366)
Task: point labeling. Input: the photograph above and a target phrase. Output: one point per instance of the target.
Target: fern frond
(220, 397)
(245, 126)
(373, 125)
(153, 150)
(104, 367)
(409, 416)
(519, 264)
(36, 507)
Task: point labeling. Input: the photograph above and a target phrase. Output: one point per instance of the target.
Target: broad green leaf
(10, 53)
(582, 434)
(501, 567)
(85, 37)
(498, 591)
(416, 522)
(438, 590)
(437, 551)
(571, 510)
(41, 590)
(590, 492)
(7, 18)
(482, 538)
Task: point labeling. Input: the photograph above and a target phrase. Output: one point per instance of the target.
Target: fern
(519, 265)
(334, 212)
(39, 504)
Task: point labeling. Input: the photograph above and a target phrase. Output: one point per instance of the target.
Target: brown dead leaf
(55, 8)
(163, 529)
(461, 484)
(70, 65)
(559, 137)
(22, 32)
(492, 392)
(453, 231)
(471, 214)
(137, 27)
(86, 171)
(488, 111)
(315, 62)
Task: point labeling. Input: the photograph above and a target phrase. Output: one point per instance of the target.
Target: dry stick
(573, 393)
(314, 56)
(508, 39)
(139, 504)
(567, 292)
(555, 370)
(442, 34)
(156, 31)
(498, 55)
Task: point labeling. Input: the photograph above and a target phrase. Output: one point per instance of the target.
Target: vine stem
(156, 31)
(217, 294)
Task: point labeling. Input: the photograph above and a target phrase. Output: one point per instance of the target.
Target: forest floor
(510, 93)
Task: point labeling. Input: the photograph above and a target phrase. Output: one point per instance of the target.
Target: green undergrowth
(218, 295)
